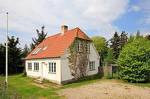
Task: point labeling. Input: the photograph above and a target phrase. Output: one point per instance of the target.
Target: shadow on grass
(83, 81)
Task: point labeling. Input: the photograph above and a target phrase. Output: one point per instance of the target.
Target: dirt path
(106, 90)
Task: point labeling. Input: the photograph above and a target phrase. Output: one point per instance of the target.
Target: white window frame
(92, 65)
(36, 66)
(29, 66)
(79, 45)
(52, 67)
(88, 47)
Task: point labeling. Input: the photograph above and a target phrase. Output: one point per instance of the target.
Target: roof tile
(57, 44)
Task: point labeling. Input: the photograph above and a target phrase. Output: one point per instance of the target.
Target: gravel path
(106, 90)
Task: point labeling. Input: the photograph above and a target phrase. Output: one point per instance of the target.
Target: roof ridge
(60, 33)
(53, 35)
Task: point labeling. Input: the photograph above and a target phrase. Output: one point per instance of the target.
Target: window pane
(29, 66)
(36, 66)
(92, 65)
(54, 67)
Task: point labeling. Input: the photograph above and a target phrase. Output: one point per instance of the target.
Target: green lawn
(24, 87)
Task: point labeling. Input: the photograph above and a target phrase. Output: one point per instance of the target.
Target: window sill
(36, 70)
(52, 72)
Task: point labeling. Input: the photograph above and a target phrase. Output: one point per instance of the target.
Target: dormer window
(36, 51)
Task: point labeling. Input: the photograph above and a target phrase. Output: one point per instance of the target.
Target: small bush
(24, 73)
(134, 61)
(109, 76)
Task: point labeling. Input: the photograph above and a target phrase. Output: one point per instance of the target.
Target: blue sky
(95, 17)
(135, 18)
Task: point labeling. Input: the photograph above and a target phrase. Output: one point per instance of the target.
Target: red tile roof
(56, 45)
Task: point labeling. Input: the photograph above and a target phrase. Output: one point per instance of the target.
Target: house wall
(66, 74)
(62, 67)
(94, 56)
(45, 73)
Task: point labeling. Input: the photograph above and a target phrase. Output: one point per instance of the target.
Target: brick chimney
(64, 28)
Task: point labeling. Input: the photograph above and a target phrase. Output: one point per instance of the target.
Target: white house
(49, 60)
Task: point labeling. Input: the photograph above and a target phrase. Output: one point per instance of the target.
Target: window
(36, 51)
(52, 67)
(36, 66)
(79, 46)
(87, 47)
(92, 65)
(29, 66)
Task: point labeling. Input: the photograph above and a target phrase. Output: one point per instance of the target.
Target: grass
(24, 86)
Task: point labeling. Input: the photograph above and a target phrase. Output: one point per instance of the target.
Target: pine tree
(41, 36)
(138, 33)
(25, 51)
(101, 46)
(115, 45)
(14, 54)
(123, 39)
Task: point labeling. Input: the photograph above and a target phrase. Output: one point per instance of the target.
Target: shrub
(109, 75)
(134, 61)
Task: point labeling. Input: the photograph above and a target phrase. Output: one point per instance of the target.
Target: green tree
(134, 61)
(123, 39)
(131, 39)
(101, 46)
(138, 33)
(41, 36)
(2, 59)
(115, 45)
(25, 51)
(14, 54)
(148, 37)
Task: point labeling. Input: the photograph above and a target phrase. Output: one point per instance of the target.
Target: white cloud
(135, 8)
(98, 15)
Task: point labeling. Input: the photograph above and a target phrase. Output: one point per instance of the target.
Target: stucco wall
(66, 75)
(93, 57)
(45, 74)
